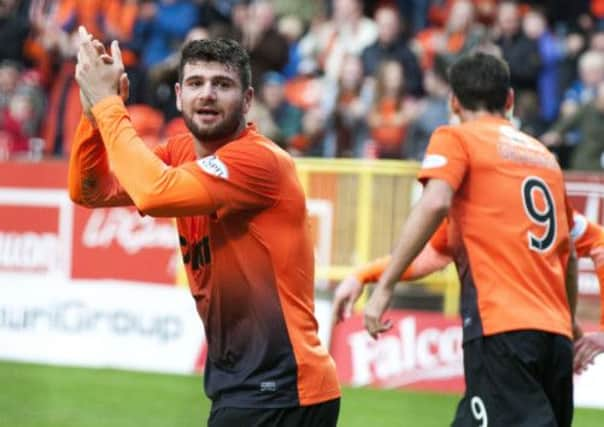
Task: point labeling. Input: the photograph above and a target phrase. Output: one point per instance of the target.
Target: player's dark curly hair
(480, 81)
(224, 51)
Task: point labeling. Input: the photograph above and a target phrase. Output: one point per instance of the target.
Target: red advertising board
(42, 231)
(29, 238)
(423, 350)
(121, 243)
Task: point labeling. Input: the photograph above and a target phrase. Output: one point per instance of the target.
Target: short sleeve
(439, 239)
(240, 176)
(446, 158)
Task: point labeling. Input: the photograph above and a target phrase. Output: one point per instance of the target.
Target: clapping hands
(99, 74)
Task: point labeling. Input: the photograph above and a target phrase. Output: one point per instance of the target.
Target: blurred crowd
(333, 78)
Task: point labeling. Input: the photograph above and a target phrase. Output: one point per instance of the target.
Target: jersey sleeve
(155, 188)
(90, 179)
(433, 257)
(240, 176)
(446, 158)
(371, 272)
(581, 234)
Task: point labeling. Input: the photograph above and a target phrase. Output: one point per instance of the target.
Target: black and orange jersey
(249, 260)
(587, 237)
(508, 226)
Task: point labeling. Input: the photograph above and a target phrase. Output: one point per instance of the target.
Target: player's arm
(571, 274)
(420, 225)
(443, 171)
(155, 188)
(572, 289)
(90, 180)
(348, 291)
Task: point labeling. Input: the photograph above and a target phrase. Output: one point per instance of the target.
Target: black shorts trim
(323, 414)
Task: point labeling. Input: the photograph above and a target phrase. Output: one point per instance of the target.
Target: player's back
(510, 231)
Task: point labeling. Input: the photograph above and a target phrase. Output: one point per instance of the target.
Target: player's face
(212, 101)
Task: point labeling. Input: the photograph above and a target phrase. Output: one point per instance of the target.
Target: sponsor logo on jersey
(214, 166)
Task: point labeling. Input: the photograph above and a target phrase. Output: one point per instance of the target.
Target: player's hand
(97, 76)
(586, 350)
(374, 310)
(124, 82)
(347, 293)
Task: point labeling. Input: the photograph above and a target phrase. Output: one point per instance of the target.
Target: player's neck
(469, 115)
(206, 148)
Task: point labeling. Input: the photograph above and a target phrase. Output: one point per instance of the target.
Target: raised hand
(124, 83)
(98, 74)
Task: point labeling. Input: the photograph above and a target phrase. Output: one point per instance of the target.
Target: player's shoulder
(255, 149)
(177, 149)
(447, 133)
(178, 142)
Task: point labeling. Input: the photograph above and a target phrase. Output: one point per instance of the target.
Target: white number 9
(479, 411)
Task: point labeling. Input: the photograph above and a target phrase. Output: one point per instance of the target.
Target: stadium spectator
(347, 32)
(551, 55)
(235, 196)
(63, 108)
(292, 29)
(346, 103)
(262, 119)
(12, 135)
(14, 30)
(529, 315)
(268, 49)
(287, 117)
(460, 35)
(303, 10)
(312, 140)
(161, 28)
(433, 111)
(416, 11)
(392, 45)
(519, 51)
(391, 112)
(582, 91)
(38, 32)
(588, 154)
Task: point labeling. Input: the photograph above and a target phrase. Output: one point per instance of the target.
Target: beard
(223, 130)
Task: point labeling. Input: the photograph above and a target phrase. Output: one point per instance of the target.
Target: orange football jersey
(509, 227)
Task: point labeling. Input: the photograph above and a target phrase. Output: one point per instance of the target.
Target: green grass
(44, 396)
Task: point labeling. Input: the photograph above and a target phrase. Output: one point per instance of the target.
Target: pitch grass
(44, 396)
